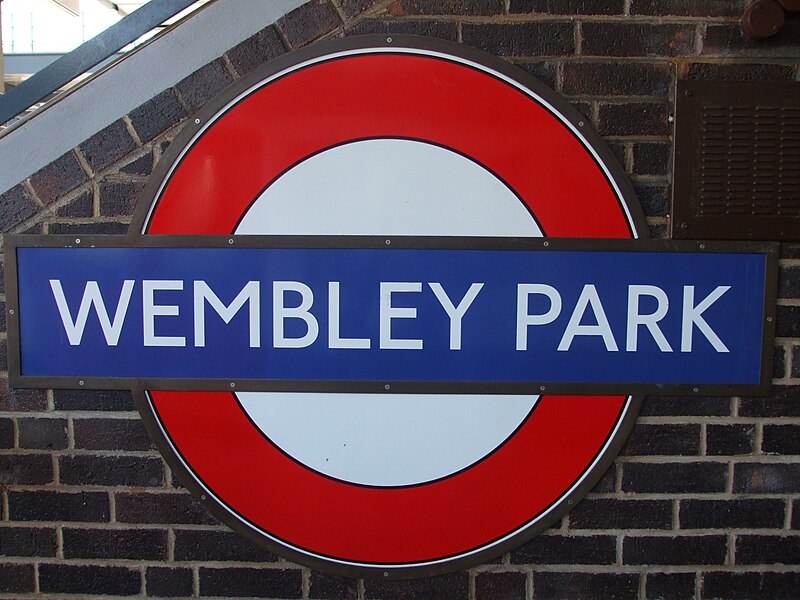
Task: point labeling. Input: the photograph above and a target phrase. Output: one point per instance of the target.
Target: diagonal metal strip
(87, 55)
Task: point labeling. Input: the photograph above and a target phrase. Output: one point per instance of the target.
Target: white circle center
(387, 187)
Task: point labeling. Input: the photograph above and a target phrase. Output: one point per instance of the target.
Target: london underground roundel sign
(389, 136)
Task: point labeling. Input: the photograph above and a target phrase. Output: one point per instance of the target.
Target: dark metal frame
(770, 250)
(87, 55)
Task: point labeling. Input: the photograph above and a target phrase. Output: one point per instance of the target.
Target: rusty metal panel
(737, 161)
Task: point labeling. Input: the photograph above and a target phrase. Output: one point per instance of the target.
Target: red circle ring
(457, 98)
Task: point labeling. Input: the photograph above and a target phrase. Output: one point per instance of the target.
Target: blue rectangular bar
(396, 315)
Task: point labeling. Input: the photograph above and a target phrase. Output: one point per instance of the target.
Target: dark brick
(616, 79)
(669, 586)
(58, 506)
(16, 205)
(260, 583)
(111, 470)
(167, 582)
(146, 544)
(730, 585)
(637, 39)
(585, 586)
(790, 250)
(784, 402)
(140, 166)
(171, 508)
(781, 439)
(663, 439)
(58, 178)
(75, 579)
(779, 363)
(2, 277)
(731, 514)
(17, 578)
(730, 39)
(217, 545)
(767, 549)
(26, 469)
(450, 7)
(323, 585)
(437, 29)
(108, 146)
(676, 406)
(100, 400)
(730, 440)
(500, 586)
(521, 39)
(544, 71)
(308, 22)
(658, 230)
(256, 50)
(205, 83)
(633, 118)
(27, 541)
(2, 316)
(766, 478)
(607, 483)
(351, 8)
(43, 434)
(111, 434)
(157, 115)
(651, 158)
(6, 433)
(674, 477)
(453, 586)
(618, 148)
(740, 71)
(562, 550)
(118, 198)
(82, 206)
(789, 282)
(653, 198)
(684, 550)
(796, 514)
(585, 108)
(176, 482)
(601, 513)
(3, 352)
(97, 227)
(568, 7)
(795, 361)
(689, 8)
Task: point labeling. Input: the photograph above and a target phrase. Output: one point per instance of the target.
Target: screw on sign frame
(221, 169)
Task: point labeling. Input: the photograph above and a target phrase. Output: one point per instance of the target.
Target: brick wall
(703, 502)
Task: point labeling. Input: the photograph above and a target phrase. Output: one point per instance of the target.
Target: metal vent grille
(737, 161)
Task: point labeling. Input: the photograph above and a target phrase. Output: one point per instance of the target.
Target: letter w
(91, 295)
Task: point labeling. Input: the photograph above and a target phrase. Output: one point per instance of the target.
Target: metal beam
(71, 6)
(2, 67)
(87, 55)
(113, 6)
(22, 64)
